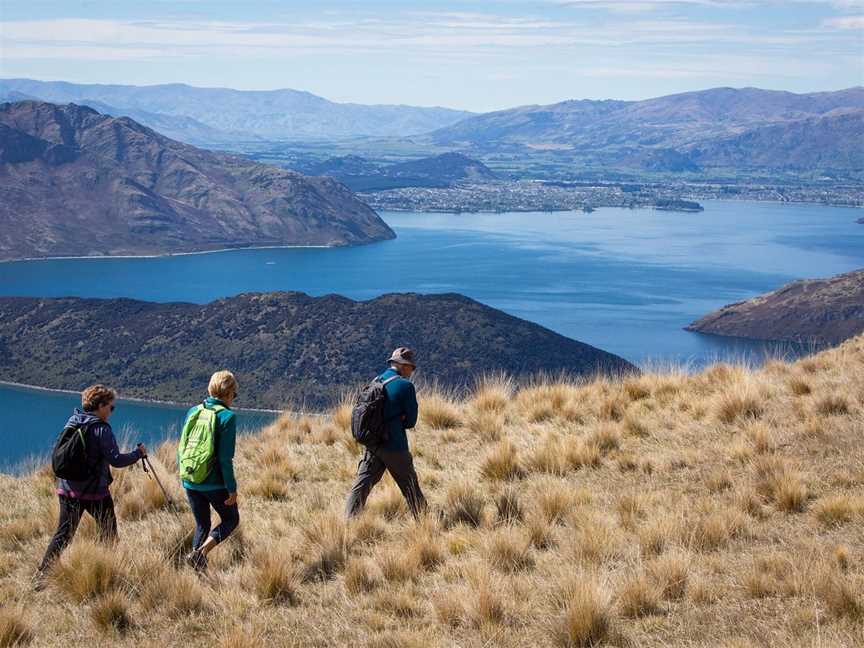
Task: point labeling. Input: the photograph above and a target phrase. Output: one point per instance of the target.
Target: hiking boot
(197, 561)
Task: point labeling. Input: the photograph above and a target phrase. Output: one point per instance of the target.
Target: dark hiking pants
(400, 465)
(201, 502)
(71, 510)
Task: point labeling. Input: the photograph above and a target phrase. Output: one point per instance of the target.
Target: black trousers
(400, 465)
(71, 510)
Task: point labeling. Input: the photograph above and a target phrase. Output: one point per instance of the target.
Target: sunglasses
(112, 408)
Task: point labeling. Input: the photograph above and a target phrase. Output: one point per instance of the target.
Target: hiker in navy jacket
(93, 496)
(400, 413)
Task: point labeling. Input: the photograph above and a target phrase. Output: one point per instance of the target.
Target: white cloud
(845, 22)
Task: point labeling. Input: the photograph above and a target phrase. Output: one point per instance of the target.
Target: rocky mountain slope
(235, 115)
(76, 182)
(707, 128)
(286, 348)
(821, 311)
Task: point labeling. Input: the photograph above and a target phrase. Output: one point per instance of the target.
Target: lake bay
(626, 281)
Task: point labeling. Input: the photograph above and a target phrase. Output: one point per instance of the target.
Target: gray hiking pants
(371, 468)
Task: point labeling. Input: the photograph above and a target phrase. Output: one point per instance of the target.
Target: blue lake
(624, 280)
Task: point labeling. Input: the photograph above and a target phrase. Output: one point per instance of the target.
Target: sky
(470, 55)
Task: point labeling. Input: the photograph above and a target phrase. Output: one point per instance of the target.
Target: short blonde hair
(95, 396)
(223, 384)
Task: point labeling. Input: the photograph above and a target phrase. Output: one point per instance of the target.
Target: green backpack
(196, 454)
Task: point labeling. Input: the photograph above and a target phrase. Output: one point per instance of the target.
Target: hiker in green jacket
(216, 488)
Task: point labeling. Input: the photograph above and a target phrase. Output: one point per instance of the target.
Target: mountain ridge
(809, 311)
(75, 183)
(283, 345)
(273, 114)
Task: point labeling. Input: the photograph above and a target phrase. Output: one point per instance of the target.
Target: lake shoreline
(143, 401)
(171, 254)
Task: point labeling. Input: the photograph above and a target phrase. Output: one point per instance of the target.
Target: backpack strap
(390, 379)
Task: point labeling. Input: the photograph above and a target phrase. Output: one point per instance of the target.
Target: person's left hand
(232, 499)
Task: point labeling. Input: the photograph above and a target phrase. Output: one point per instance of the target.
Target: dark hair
(96, 396)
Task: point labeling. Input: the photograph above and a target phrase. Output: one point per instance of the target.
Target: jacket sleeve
(227, 442)
(111, 452)
(409, 406)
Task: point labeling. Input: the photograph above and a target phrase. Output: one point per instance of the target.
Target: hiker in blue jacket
(92, 496)
(219, 490)
(400, 414)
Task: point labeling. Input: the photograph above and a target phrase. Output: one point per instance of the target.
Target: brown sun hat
(403, 355)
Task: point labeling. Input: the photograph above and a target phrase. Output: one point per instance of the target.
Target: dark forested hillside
(286, 348)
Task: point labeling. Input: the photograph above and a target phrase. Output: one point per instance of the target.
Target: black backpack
(71, 458)
(368, 426)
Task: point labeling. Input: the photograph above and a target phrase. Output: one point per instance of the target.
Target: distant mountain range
(287, 349)
(76, 182)
(820, 311)
(745, 127)
(361, 174)
(220, 116)
(742, 129)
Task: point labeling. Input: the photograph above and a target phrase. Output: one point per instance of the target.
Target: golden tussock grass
(110, 613)
(502, 462)
(439, 412)
(586, 618)
(662, 510)
(15, 629)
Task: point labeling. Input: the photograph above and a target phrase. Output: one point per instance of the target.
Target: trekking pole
(151, 473)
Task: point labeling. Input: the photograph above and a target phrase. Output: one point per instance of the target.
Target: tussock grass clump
(87, 570)
(509, 550)
(486, 424)
(770, 575)
(502, 462)
(839, 509)
(554, 500)
(595, 540)
(464, 504)
(739, 402)
(800, 387)
(716, 527)
(20, 530)
(439, 412)
(606, 437)
(670, 573)
(548, 456)
(492, 394)
(541, 532)
(270, 484)
(586, 618)
(581, 454)
(779, 482)
(276, 580)
(398, 603)
(832, 405)
(488, 606)
(110, 613)
(508, 507)
(361, 576)
(326, 546)
(15, 629)
(840, 598)
(639, 597)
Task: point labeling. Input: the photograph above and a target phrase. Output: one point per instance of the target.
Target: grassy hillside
(719, 509)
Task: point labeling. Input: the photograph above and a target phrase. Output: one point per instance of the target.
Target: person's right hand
(232, 499)
(142, 450)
